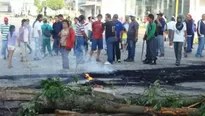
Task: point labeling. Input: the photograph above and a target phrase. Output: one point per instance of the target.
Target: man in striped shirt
(4, 32)
(80, 39)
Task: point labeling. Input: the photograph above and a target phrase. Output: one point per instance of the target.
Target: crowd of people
(119, 37)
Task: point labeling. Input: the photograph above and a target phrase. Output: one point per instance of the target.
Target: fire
(87, 76)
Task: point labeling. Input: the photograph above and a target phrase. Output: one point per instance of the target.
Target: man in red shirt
(97, 40)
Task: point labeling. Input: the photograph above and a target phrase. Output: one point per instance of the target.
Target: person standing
(81, 38)
(109, 27)
(50, 22)
(124, 39)
(57, 27)
(170, 27)
(201, 35)
(37, 34)
(190, 32)
(4, 33)
(160, 34)
(132, 38)
(23, 40)
(97, 38)
(126, 23)
(118, 35)
(30, 31)
(46, 36)
(12, 36)
(61, 18)
(67, 41)
(151, 41)
(180, 35)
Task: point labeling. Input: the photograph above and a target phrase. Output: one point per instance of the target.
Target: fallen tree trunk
(89, 103)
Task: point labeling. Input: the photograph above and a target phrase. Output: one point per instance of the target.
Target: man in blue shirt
(118, 31)
(160, 34)
(57, 27)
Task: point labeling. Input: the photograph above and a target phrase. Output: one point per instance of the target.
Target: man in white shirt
(180, 36)
(37, 34)
(170, 28)
(23, 40)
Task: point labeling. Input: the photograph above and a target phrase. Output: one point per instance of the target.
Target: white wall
(113, 7)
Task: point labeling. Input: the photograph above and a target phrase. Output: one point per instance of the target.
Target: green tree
(40, 5)
(55, 4)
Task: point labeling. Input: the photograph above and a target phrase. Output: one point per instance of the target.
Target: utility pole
(176, 8)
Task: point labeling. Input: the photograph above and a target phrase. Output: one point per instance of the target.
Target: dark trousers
(178, 51)
(116, 50)
(151, 49)
(29, 47)
(56, 45)
(192, 41)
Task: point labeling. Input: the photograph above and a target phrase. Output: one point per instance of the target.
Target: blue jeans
(110, 45)
(189, 43)
(4, 47)
(38, 46)
(79, 48)
(65, 61)
(200, 46)
(160, 44)
(131, 49)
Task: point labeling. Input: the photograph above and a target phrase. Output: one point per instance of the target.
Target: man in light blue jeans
(201, 42)
(4, 48)
(38, 44)
(160, 45)
(201, 34)
(80, 40)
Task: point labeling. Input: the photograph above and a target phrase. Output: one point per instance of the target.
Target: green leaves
(55, 4)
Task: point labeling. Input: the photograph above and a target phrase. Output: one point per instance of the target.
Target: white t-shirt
(37, 27)
(89, 26)
(26, 34)
(171, 25)
(179, 35)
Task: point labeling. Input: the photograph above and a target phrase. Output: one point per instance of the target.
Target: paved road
(52, 65)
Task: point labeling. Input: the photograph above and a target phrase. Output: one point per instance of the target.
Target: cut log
(89, 103)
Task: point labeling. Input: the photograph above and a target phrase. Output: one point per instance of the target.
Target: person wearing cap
(81, 39)
(201, 35)
(160, 34)
(190, 32)
(170, 27)
(46, 36)
(97, 38)
(118, 35)
(179, 37)
(132, 38)
(4, 32)
(150, 41)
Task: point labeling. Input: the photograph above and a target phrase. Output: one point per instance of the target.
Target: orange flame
(87, 76)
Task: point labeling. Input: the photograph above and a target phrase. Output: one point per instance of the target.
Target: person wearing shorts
(97, 41)
(12, 36)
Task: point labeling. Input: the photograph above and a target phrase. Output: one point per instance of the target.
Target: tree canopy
(55, 4)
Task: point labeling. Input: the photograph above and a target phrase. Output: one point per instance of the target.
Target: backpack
(47, 32)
